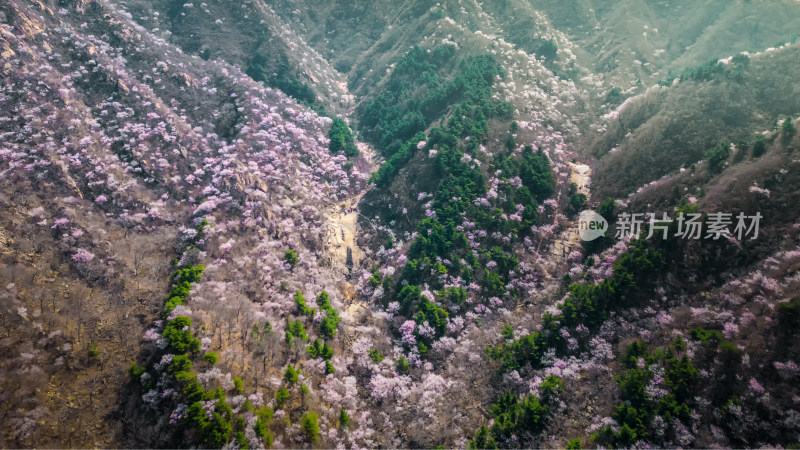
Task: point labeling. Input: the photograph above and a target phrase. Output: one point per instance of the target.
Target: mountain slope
(113, 148)
(291, 224)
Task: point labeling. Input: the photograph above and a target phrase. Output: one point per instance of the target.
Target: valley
(354, 224)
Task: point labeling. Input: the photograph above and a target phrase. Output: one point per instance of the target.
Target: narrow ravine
(568, 240)
(341, 234)
(342, 225)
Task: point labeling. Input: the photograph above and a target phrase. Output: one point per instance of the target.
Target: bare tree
(80, 304)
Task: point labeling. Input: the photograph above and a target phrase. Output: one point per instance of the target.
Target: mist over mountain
(363, 224)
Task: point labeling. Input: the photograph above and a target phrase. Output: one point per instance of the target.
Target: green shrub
(788, 127)
(375, 356)
(512, 417)
(328, 325)
(575, 444)
(190, 388)
(525, 350)
(537, 174)
(434, 315)
(268, 439)
(605, 436)
(214, 432)
(637, 410)
(482, 440)
(320, 350)
(707, 336)
(180, 363)
(637, 349)
(295, 330)
(211, 357)
(290, 257)
(182, 280)
(238, 385)
(681, 378)
(626, 436)
(548, 49)
(261, 430)
(327, 352)
(188, 275)
(315, 349)
(215, 394)
(136, 371)
(494, 285)
(281, 396)
(729, 354)
(550, 388)
(217, 431)
(310, 426)
(180, 336)
(759, 145)
(323, 301)
(241, 440)
(291, 375)
(508, 332)
(717, 156)
(669, 408)
(265, 413)
(341, 139)
(402, 365)
(408, 297)
(300, 302)
(576, 201)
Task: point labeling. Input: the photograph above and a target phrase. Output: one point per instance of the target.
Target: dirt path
(341, 234)
(568, 240)
(342, 228)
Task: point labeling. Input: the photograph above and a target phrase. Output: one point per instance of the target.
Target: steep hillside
(725, 305)
(251, 37)
(667, 128)
(637, 41)
(113, 151)
(629, 43)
